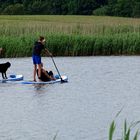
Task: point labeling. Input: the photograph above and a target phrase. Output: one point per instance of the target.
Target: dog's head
(8, 64)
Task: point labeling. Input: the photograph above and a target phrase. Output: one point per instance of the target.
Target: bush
(100, 11)
(16, 9)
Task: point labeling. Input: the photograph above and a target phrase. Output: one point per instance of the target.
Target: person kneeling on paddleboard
(45, 75)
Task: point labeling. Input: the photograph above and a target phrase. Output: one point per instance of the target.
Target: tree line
(124, 8)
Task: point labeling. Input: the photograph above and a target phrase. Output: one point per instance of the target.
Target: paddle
(62, 81)
(48, 52)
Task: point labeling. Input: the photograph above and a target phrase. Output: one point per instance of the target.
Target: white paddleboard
(13, 77)
(64, 78)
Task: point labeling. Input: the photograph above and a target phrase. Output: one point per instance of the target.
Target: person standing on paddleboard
(37, 49)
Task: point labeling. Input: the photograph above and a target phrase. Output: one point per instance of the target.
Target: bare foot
(52, 78)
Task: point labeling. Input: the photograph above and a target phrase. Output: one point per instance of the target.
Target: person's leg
(39, 71)
(50, 73)
(35, 68)
(38, 64)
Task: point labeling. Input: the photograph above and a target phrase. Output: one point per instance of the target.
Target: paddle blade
(63, 81)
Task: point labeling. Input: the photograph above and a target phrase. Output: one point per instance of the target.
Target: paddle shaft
(55, 65)
(56, 68)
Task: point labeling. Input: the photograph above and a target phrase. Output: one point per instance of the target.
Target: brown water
(81, 109)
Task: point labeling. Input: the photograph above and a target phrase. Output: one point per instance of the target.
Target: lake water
(82, 109)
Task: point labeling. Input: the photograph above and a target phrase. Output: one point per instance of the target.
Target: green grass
(127, 130)
(70, 35)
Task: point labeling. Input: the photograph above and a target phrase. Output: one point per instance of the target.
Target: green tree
(86, 7)
(16, 9)
(72, 6)
(136, 9)
(127, 8)
(124, 8)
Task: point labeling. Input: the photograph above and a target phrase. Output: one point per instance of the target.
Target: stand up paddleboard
(12, 77)
(58, 79)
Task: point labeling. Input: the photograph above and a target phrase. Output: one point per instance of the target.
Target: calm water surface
(81, 109)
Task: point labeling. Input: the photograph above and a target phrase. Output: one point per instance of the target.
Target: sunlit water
(82, 109)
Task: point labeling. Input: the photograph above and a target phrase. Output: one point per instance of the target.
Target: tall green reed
(70, 35)
(73, 45)
(127, 129)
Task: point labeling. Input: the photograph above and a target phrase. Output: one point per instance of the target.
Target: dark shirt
(38, 47)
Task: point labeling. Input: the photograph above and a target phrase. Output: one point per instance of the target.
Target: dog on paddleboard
(3, 68)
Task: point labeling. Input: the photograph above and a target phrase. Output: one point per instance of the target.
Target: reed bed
(70, 35)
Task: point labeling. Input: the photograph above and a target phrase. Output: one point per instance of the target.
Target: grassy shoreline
(70, 35)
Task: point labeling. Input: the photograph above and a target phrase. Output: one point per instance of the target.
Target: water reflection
(39, 87)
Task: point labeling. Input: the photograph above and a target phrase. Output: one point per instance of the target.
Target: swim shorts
(36, 59)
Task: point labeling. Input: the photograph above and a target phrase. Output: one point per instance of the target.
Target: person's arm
(47, 51)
